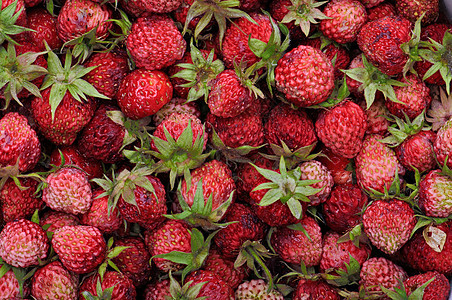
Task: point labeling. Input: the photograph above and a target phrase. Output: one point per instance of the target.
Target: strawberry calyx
(440, 55)
(401, 130)
(185, 291)
(411, 48)
(340, 277)
(304, 13)
(201, 213)
(118, 38)
(200, 74)
(219, 9)
(18, 72)
(374, 80)
(287, 187)
(292, 158)
(8, 20)
(400, 292)
(112, 252)
(340, 93)
(65, 79)
(199, 251)
(102, 294)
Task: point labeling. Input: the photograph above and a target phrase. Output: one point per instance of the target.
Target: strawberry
(134, 260)
(343, 206)
(333, 51)
(214, 287)
(18, 143)
(293, 127)
(305, 75)
(110, 70)
(425, 255)
(235, 43)
(10, 286)
(72, 156)
(102, 138)
(443, 144)
(78, 17)
(383, 9)
(245, 129)
(23, 243)
(371, 3)
(336, 255)
(68, 190)
(300, 243)
(438, 289)
(412, 11)
(379, 271)
(218, 264)
(62, 126)
(173, 235)
(342, 128)
(122, 287)
(376, 165)
(159, 6)
(216, 180)
(155, 42)
(99, 215)
(256, 289)
(337, 165)
(52, 220)
(66, 242)
(143, 92)
(229, 96)
(345, 19)
(19, 202)
(388, 224)
(415, 96)
(44, 26)
(158, 290)
(380, 41)
(435, 197)
(315, 289)
(249, 177)
(176, 105)
(315, 170)
(376, 113)
(417, 151)
(229, 240)
(53, 281)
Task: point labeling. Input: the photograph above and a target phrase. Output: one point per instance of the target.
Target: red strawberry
(342, 128)
(102, 138)
(158, 290)
(9, 285)
(249, 177)
(293, 127)
(159, 6)
(337, 165)
(99, 215)
(415, 97)
(342, 209)
(443, 144)
(379, 271)
(248, 227)
(214, 287)
(383, 9)
(110, 71)
(155, 42)
(53, 281)
(412, 11)
(143, 92)
(380, 41)
(18, 143)
(67, 241)
(72, 156)
(133, 261)
(371, 3)
(218, 264)
(123, 288)
(44, 26)
(438, 289)
(315, 289)
(376, 114)
(78, 17)
(417, 151)
(295, 245)
(23, 243)
(70, 117)
(388, 224)
(235, 43)
(52, 220)
(345, 19)
(173, 235)
(305, 75)
(19, 202)
(176, 105)
(435, 197)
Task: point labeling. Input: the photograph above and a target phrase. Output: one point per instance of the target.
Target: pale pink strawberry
(315, 170)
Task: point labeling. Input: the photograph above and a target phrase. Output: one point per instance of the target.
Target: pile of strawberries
(212, 149)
